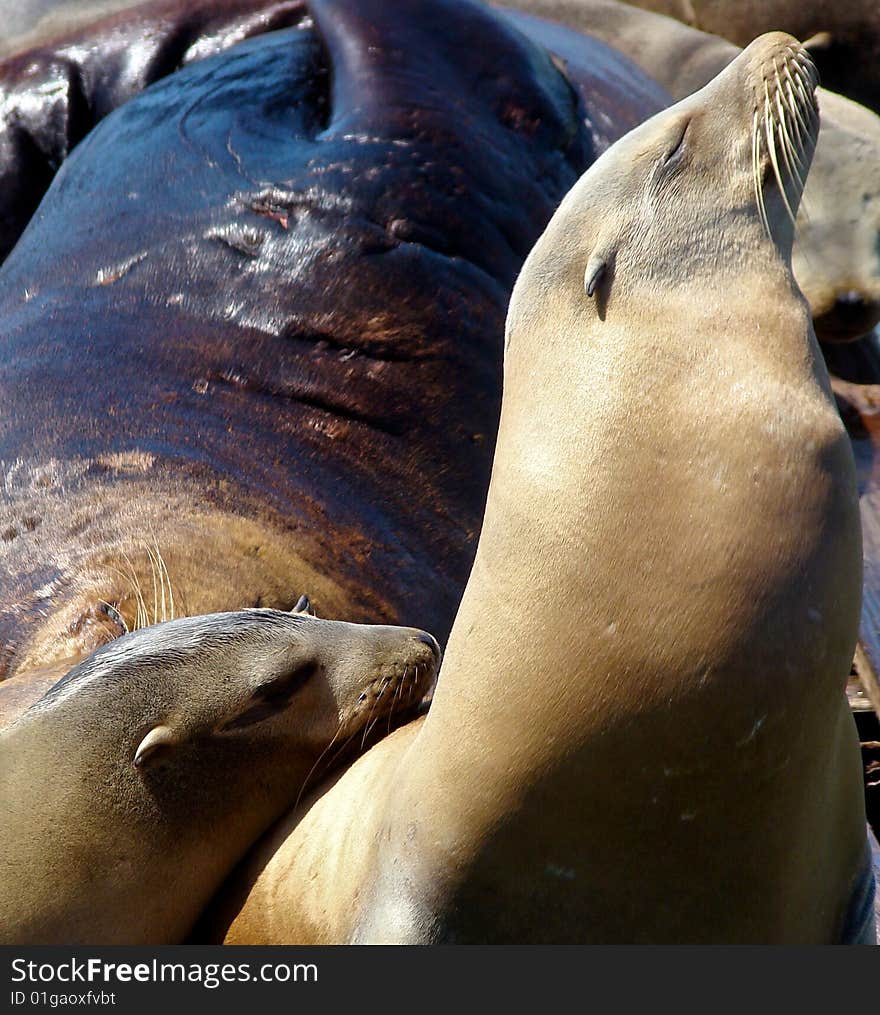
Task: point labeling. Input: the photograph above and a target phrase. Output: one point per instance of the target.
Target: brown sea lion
(640, 731)
(134, 785)
(836, 254)
(264, 350)
(847, 34)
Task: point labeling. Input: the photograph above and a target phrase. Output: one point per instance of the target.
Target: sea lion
(846, 36)
(836, 253)
(645, 680)
(62, 78)
(135, 784)
(76, 65)
(264, 351)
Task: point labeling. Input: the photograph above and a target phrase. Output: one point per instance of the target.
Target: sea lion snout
(393, 671)
(850, 313)
(431, 642)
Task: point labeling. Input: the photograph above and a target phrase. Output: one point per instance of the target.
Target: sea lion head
(168, 695)
(695, 197)
(837, 255)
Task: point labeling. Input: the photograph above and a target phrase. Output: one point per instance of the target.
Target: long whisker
(320, 758)
(756, 174)
(785, 138)
(396, 695)
(164, 571)
(367, 725)
(141, 617)
(770, 131)
(155, 586)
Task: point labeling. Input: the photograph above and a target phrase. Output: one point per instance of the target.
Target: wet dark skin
(256, 325)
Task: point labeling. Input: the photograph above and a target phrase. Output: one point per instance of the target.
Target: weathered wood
(855, 378)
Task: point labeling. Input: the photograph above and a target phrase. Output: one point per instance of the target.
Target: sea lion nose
(850, 300)
(431, 642)
(855, 311)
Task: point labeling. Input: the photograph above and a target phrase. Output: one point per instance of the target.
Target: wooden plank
(855, 378)
(855, 692)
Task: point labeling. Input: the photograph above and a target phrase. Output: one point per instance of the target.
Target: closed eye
(676, 153)
(272, 697)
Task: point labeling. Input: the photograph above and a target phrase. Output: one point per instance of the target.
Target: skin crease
(183, 742)
(208, 393)
(640, 732)
(836, 254)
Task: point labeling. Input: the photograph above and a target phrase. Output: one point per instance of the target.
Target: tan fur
(640, 732)
(135, 785)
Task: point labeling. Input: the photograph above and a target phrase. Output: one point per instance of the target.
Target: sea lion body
(678, 762)
(83, 60)
(135, 784)
(645, 680)
(836, 255)
(210, 395)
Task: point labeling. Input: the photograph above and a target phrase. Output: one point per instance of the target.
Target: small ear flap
(154, 745)
(303, 605)
(596, 267)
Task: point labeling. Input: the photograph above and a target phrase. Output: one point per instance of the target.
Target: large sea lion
(132, 787)
(836, 253)
(847, 35)
(61, 79)
(640, 731)
(264, 350)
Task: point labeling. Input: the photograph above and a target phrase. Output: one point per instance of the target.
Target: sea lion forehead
(765, 94)
(177, 641)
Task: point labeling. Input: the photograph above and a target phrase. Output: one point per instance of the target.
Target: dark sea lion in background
(615, 90)
(134, 785)
(78, 65)
(252, 338)
(65, 77)
(846, 33)
(837, 249)
(21, 20)
(652, 744)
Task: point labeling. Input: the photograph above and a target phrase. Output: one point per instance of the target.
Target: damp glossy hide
(279, 277)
